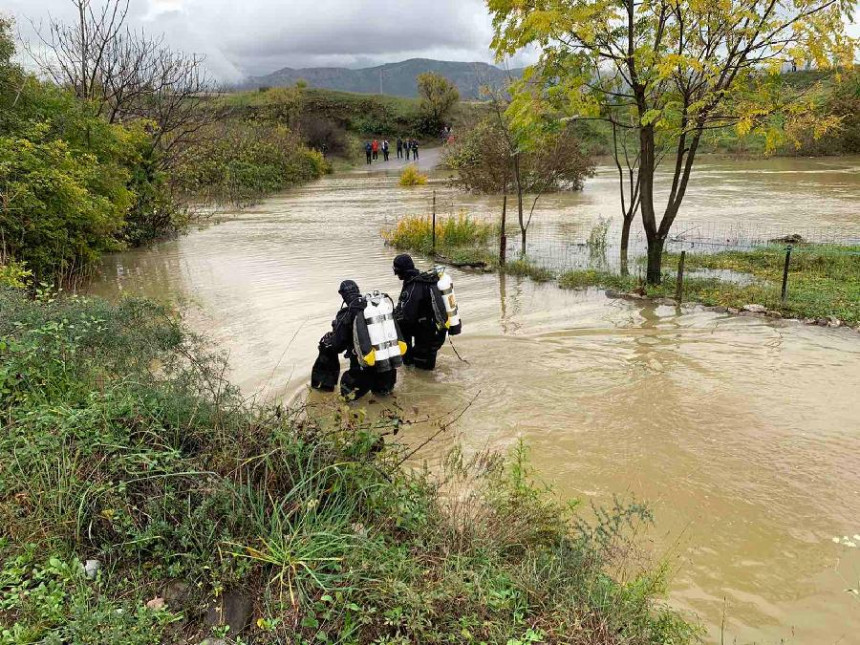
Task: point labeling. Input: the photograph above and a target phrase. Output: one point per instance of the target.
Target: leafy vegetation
(66, 176)
(411, 176)
(497, 156)
(415, 232)
(75, 184)
(238, 163)
(438, 97)
(120, 443)
(671, 86)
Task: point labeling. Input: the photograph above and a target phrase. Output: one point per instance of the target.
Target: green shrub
(240, 162)
(14, 274)
(65, 208)
(74, 185)
(523, 267)
(410, 176)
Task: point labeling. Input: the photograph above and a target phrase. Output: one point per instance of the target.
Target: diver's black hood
(349, 291)
(404, 267)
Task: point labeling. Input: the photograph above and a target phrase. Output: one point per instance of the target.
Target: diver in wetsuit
(357, 380)
(422, 326)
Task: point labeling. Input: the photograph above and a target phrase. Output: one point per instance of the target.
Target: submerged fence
(811, 272)
(798, 271)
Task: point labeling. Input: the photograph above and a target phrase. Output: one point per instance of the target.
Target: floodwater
(742, 433)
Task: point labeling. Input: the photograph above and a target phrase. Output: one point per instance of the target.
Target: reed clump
(411, 176)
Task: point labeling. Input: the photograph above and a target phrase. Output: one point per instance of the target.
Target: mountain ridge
(396, 79)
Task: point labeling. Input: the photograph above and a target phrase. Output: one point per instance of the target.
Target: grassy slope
(120, 442)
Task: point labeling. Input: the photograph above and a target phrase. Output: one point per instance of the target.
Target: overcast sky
(253, 37)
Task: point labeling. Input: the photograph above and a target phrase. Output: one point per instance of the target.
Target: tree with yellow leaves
(670, 70)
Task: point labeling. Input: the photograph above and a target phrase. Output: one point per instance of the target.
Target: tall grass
(410, 176)
(121, 442)
(415, 232)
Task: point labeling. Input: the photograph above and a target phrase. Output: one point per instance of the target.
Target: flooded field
(742, 433)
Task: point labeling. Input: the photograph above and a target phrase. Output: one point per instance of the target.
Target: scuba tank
(437, 301)
(446, 288)
(378, 341)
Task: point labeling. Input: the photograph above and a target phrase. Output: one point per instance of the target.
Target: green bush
(120, 442)
(239, 163)
(75, 185)
(65, 207)
(410, 176)
(13, 274)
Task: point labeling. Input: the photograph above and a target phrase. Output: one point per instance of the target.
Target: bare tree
(126, 75)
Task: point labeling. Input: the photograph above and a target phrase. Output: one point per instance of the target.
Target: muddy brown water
(742, 433)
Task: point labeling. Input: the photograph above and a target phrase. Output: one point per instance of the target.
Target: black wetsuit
(414, 313)
(357, 380)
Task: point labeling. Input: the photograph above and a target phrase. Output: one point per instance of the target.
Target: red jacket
(375, 145)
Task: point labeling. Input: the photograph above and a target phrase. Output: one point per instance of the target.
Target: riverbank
(145, 501)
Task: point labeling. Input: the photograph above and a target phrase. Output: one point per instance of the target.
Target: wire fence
(813, 272)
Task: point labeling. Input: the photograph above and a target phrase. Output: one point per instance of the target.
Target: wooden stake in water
(503, 239)
(679, 284)
(785, 272)
(434, 223)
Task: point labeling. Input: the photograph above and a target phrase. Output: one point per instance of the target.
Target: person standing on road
(385, 149)
(414, 149)
(368, 151)
(399, 148)
(375, 149)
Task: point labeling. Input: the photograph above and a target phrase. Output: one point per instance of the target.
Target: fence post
(503, 239)
(679, 284)
(434, 223)
(785, 272)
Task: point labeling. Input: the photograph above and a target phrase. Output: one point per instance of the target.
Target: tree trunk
(523, 226)
(625, 242)
(647, 166)
(655, 260)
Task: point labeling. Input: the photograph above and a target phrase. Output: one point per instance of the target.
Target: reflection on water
(742, 433)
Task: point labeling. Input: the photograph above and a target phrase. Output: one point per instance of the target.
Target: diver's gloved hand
(327, 341)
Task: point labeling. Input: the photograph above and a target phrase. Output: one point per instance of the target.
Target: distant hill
(396, 79)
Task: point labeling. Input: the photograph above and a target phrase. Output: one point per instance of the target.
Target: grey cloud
(253, 37)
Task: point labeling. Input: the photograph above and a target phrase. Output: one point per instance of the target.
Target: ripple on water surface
(742, 433)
